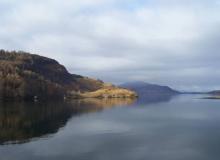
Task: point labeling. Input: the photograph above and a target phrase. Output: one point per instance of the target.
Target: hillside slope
(24, 76)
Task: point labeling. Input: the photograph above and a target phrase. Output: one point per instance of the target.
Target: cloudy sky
(172, 42)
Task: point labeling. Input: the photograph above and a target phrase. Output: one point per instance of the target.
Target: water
(168, 128)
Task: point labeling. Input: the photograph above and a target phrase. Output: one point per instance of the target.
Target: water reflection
(157, 98)
(186, 127)
(21, 122)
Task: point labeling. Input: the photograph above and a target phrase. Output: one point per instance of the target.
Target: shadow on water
(23, 122)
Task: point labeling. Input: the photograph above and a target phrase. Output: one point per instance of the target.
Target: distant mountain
(147, 89)
(28, 76)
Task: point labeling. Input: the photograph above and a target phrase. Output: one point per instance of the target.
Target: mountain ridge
(148, 89)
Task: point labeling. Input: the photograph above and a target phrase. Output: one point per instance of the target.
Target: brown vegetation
(25, 76)
(105, 92)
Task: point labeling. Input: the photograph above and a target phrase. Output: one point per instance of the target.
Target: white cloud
(129, 39)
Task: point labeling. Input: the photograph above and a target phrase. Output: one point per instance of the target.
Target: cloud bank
(172, 42)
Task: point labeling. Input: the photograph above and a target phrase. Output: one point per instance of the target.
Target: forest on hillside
(25, 76)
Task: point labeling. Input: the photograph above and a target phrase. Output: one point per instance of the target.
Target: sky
(168, 42)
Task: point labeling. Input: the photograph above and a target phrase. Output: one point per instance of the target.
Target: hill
(27, 76)
(147, 89)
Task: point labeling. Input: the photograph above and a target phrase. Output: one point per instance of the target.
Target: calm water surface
(162, 128)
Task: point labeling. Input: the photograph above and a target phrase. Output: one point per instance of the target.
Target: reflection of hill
(143, 100)
(20, 122)
(95, 104)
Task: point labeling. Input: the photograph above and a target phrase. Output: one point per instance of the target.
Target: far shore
(212, 97)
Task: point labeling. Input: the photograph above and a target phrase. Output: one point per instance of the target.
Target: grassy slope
(106, 92)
